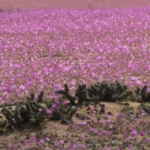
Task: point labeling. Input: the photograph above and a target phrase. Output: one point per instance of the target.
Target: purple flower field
(43, 49)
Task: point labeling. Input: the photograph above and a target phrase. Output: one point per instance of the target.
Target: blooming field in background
(43, 49)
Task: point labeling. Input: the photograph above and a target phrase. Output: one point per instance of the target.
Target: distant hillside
(11, 4)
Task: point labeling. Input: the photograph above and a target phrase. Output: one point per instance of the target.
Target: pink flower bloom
(82, 136)
(119, 148)
(48, 111)
(91, 107)
(70, 125)
(40, 109)
(10, 146)
(65, 102)
(58, 102)
(21, 87)
(130, 146)
(74, 145)
(83, 146)
(148, 90)
(34, 139)
(61, 142)
(107, 116)
(56, 144)
(134, 132)
(138, 82)
(142, 133)
(47, 139)
(53, 106)
(81, 123)
(41, 142)
(73, 82)
(55, 96)
(13, 119)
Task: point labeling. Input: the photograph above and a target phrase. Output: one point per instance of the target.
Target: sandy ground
(61, 130)
(11, 4)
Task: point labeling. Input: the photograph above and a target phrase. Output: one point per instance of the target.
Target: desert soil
(59, 130)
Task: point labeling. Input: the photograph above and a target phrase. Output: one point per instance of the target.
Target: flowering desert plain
(45, 49)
